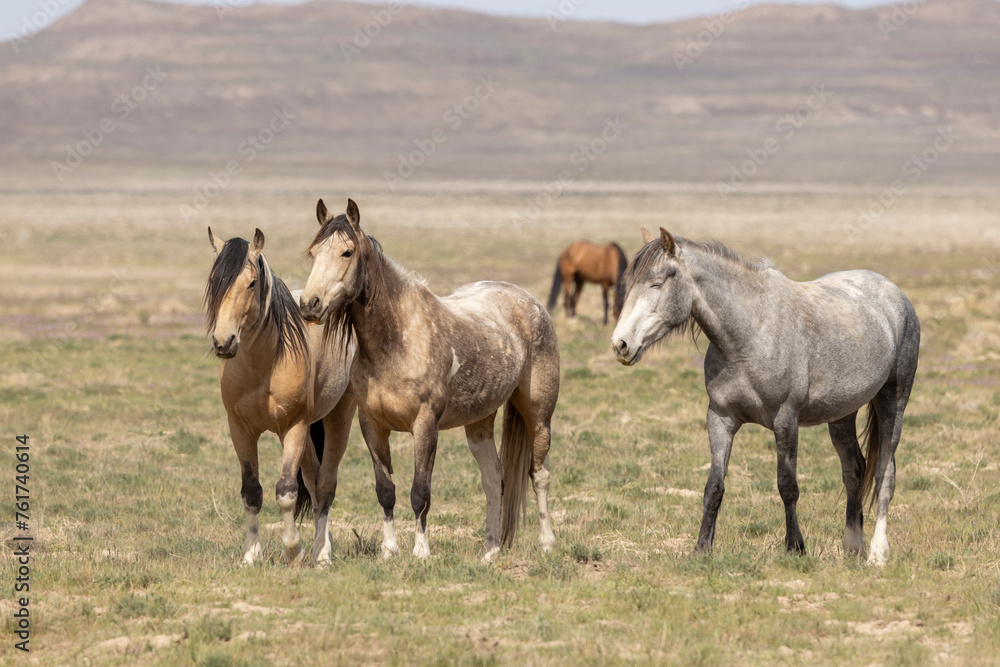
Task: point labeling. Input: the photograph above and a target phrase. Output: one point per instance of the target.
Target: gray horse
(783, 354)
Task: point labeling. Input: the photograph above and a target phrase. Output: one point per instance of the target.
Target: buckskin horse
(281, 376)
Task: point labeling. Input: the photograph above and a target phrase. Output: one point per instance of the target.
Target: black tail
(620, 282)
(317, 434)
(556, 286)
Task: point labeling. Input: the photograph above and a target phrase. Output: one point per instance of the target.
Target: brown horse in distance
(582, 262)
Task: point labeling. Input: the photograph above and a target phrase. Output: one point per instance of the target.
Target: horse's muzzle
(313, 311)
(227, 349)
(623, 353)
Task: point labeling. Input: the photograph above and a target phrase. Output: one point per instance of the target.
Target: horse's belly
(475, 398)
(827, 402)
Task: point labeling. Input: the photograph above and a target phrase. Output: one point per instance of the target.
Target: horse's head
(658, 298)
(233, 295)
(338, 252)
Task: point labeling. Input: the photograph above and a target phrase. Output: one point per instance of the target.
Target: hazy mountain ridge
(695, 95)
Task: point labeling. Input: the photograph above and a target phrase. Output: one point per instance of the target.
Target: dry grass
(135, 488)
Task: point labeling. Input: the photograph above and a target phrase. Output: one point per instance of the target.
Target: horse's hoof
(547, 541)
(389, 549)
(421, 548)
(490, 554)
(878, 559)
(251, 556)
(294, 556)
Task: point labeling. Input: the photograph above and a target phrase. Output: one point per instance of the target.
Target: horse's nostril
(229, 343)
(622, 346)
(314, 303)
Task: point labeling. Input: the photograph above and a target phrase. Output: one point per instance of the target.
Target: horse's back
(860, 297)
(497, 334)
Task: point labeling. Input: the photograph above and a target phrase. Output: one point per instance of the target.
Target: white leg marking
(322, 545)
(390, 547)
(546, 537)
(251, 548)
(854, 540)
(878, 553)
(421, 549)
(290, 537)
(489, 468)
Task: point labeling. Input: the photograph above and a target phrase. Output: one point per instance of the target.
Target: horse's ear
(321, 213)
(667, 240)
(257, 245)
(646, 236)
(211, 239)
(353, 215)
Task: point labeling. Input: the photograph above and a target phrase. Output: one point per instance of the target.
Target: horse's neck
(726, 296)
(259, 352)
(378, 323)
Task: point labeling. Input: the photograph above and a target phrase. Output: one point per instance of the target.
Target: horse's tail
(317, 434)
(872, 444)
(515, 458)
(620, 281)
(556, 286)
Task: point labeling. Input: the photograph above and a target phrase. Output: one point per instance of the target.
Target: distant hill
(694, 100)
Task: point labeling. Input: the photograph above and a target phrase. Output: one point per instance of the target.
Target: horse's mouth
(225, 354)
(629, 359)
(316, 318)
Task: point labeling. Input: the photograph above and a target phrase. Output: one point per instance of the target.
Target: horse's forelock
(227, 267)
(643, 263)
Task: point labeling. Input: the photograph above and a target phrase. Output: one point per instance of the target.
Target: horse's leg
(577, 288)
(568, 305)
(890, 403)
(286, 491)
(377, 440)
(844, 434)
(245, 444)
(541, 434)
(721, 430)
(604, 293)
(338, 428)
(786, 437)
(484, 448)
(425, 438)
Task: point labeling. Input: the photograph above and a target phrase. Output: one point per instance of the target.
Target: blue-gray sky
(19, 16)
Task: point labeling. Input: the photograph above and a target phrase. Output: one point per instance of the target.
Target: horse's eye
(252, 283)
(347, 253)
(656, 285)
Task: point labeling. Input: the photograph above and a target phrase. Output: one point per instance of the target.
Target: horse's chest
(391, 401)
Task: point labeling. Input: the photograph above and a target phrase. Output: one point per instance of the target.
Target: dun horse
(783, 354)
(426, 363)
(583, 261)
(277, 375)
